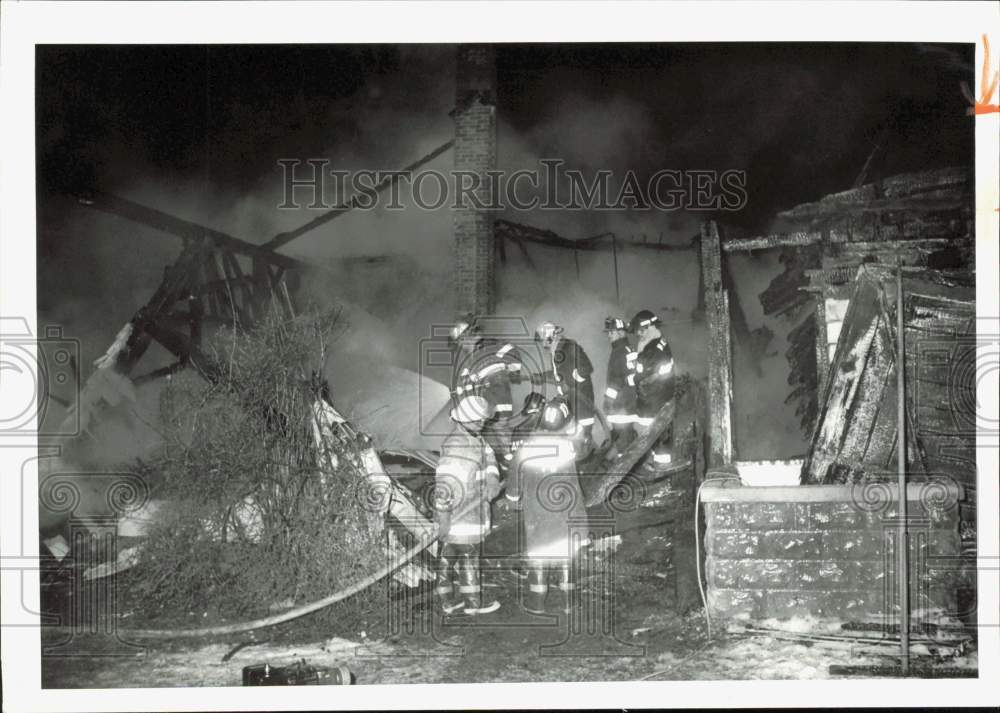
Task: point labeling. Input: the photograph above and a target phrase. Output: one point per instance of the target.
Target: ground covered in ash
(638, 617)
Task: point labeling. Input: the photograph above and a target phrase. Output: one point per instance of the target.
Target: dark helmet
(643, 318)
(556, 415)
(612, 324)
(533, 403)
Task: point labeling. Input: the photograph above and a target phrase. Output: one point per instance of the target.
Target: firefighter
(466, 480)
(525, 423)
(571, 370)
(652, 375)
(546, 488)
(486, 367)
(619, 396)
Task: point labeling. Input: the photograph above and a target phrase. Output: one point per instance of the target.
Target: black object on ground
(301, 674)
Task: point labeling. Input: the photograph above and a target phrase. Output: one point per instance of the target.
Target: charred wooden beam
(605, 241)
(937, 185)
(178, 282)
(720, 353)
(635, 451)
(777, 240)
(185, 229)
(521, 232)
(183, 348)
(392, 179)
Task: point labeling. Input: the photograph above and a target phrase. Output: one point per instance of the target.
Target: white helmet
(547, 333)
(464, 324)
(471, 409)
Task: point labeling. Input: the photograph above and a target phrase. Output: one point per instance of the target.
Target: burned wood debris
(919, 219)
(857, 431)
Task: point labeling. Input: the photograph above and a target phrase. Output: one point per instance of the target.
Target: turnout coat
(571, 371)
(547, 487)
(466, 480)
(653, 377)
(488, 371)
(619, 396)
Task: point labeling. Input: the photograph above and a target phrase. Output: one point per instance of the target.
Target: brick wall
(829, 551)
(475, 150)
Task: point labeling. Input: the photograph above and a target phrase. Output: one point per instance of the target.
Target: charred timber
(184, 229)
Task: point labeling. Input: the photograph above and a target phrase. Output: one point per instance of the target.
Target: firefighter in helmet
(465, 481)
(619, 396)
(652, 375)
(546, 488)
(486, 366)
(571, 372)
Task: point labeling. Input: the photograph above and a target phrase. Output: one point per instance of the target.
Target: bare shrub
(253, 512)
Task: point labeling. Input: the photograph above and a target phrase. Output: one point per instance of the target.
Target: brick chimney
(476, 151)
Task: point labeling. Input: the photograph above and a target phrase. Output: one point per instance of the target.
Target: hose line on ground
(291, 614)
(719, 477)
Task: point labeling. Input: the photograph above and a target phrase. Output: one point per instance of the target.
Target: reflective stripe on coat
(466, 475)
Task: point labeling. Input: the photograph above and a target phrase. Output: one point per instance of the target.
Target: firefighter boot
(443, 589)
(538, 588)
(470, 585)
(566, 584)
(663, 449)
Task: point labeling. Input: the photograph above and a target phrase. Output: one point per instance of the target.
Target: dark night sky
(801, 119)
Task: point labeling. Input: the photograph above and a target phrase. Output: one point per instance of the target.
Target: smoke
(796, 121)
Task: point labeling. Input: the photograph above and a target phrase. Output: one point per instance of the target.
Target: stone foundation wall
(829, 551)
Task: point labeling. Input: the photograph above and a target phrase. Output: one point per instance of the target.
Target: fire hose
(291, 614)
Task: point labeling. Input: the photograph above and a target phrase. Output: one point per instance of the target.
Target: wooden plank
(235, 274)
(776, 240)
(185, 229)
(636, 450)
(720, 378)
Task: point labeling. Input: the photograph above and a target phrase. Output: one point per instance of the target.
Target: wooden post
(822, 350)
(720, 367)
(903, 543)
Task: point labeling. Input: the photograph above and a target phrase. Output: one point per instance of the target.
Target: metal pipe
(903, 544)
